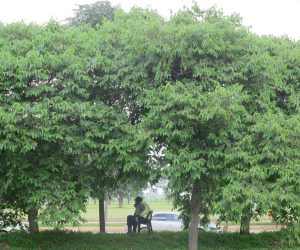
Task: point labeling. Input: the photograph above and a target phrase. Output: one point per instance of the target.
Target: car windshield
(165, 217)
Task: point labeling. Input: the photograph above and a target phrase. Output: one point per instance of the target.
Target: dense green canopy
(197, 98)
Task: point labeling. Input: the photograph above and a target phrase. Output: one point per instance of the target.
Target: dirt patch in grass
(256, 228)
(4, 246)
(90, 229)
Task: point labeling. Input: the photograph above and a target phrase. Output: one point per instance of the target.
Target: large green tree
(271, 77)
(193, 129)
(209, 50)
(43, 106)
(118, 158)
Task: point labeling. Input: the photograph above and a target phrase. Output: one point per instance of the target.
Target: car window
(165, 217)
(159, 216)
(171, 217)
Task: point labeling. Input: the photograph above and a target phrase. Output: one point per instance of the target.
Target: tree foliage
(93, 14)
(197, 98)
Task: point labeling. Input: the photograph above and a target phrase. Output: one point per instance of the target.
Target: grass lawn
(157, 241)
(116, 214)
(120, 214)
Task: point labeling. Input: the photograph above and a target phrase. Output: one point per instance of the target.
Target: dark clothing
(133, 221)
(139, 208)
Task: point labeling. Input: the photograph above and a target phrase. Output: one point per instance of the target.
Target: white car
(166, 221)
(169, 221)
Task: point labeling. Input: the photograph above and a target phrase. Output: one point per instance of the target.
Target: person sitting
(142, 209)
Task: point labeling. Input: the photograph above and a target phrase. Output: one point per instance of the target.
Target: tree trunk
(225, 228)
(195, 208)
(101, 215)
(245, 221)
(106, 210)
(128, 198)
(32, 219)
(121, 199)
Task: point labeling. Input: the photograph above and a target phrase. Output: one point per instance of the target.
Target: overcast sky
(277, 17)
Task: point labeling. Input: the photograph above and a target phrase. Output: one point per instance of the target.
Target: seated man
(142, 209)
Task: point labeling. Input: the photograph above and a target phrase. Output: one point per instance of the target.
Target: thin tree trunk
(245, 221)
(195, 208)
(106, 210)
(101, 214)
(225, 228)
(121, 199)
(128, 198)
(32, 219)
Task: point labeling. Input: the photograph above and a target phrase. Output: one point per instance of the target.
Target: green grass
(120, 214)
(157, 241)
(116, 214)
(114, 224)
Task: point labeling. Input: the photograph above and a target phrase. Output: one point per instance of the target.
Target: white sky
(277, 17)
